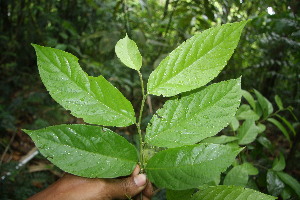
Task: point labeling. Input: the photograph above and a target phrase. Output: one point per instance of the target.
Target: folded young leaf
(265, 104)
(92, 98)
(128, 52)
(195, 116)
(222, 192)
(85, 150)
(195, 62)
(190, 166)
(280, 127)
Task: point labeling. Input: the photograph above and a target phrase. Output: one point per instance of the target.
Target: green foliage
(91, 151)
(267, 56)
(191, 66)
(128, 53)
(247, 132)
(190, 166)
(170, 152)
(251, 126)
(92, 98)
(195, 116)
(85, 150)
(230, 192)
(239, 174)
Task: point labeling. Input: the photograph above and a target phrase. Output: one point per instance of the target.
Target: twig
(7, 147)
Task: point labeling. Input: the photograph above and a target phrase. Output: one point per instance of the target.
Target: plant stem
(138, 124)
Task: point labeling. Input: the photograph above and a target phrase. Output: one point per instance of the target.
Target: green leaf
(251, 170)
(280, 127)
(249, 98)
(287, 123)
(237, 176)
(234, 124)
(222, 192)
(128, 52)
(92, 98)
(195, 116)
(265, 142)
(247, 132)
(244, 112)
(195, 62)
(290, 181)
(220, 139)
(86, 150)
(261, 128)
(190, 166)
(179, 194)
(286, 193)
(264, 103)
(279, 164)
(278, 102)
(274, 184)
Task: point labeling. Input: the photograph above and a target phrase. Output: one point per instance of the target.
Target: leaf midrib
(179, 71)
(87, 92)
(187, 165)
(83, 150)
(166, 129)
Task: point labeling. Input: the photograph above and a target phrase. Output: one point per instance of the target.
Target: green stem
(138, 124)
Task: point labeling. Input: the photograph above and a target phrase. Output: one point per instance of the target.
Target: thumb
(128, 187)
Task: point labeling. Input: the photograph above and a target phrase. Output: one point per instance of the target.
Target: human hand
(71, 187)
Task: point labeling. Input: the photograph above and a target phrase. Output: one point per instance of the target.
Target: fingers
(148, 191)
(128, 187)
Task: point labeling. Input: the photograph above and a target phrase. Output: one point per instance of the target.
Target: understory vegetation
(266, 58)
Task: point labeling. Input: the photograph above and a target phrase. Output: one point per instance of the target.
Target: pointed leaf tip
(85, 150)
(196, 61)
(92, 98)
(129, 54)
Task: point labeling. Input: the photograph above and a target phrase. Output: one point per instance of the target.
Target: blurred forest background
(267, 57)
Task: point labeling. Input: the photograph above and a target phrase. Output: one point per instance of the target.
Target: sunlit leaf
(195, 116)
(195, 62)
(85, 150)
(222, 192)
(190, 166)
(92, 98)
(128, 52)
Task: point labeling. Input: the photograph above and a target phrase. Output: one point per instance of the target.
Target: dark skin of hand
(71, 187)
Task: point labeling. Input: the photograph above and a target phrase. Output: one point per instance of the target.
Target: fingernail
(140, 180)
